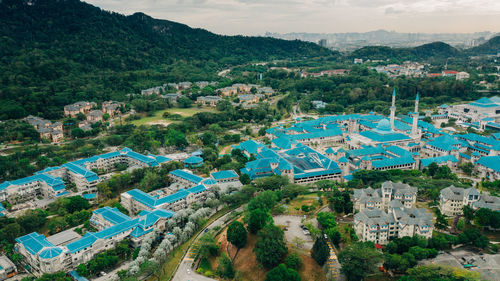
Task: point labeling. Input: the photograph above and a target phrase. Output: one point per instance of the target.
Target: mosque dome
(384, 125)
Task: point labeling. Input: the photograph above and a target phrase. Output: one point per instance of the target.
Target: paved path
(185, 270)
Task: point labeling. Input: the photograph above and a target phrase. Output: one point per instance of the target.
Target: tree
(225, 268)
(320, 250)
(176, 138)
(281, 273)
(76, 203)
(270, 246)
(265, 201)
(237, 234)
(326, 220)
(334, 235)
(82, 270)
(359, 259)
(441, 221)
(245, 179)
(293, 261)
(77, 133)
(257, 220)
(56, 225)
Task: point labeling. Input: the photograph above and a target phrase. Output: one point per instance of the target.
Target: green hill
(57, 52)
(436, 50)
(491, 47)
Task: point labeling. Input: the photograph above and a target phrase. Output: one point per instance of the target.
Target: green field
(158, 118)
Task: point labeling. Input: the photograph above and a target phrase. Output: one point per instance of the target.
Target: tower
(393, 108)
(414, 127)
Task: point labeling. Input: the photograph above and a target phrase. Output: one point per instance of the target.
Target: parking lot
(293, 229)
(487, 265)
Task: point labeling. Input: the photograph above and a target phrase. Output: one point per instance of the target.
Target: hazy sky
(255, 17)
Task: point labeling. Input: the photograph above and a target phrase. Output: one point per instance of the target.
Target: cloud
(252, 17)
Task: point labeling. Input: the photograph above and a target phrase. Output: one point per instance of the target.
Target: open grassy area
(158, 118)
(306, 199)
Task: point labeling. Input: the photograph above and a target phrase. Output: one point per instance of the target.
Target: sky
(255, 17)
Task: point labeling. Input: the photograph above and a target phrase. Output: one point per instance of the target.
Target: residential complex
(52, 254)
(380, 198)
(452, 200)
(50, 182)
(379, 226)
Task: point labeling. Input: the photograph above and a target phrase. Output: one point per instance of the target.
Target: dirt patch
(310, 270)
(159, 122)
(246, 262)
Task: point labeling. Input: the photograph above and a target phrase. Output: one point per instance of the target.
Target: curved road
(184, 271)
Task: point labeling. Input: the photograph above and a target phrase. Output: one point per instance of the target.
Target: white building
(378, 226)
(379, 198)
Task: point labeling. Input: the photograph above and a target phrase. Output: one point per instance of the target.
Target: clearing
(158, 119)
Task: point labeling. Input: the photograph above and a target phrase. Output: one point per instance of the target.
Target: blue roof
(193, 160)
(224, 175)
(35, 242)
(438, 160)
(250, 146)
(197, 189)
(86, 241)
(181, 194)
(112, 215)
(77, 277)
(208, 181)
(116, 229)
(330, 150)
(142, 197)
(77, 169)
(393, 162)
(50, 252)
(89, 196)
(149, 218)
(187, 176)
(378, 137)
(491, 162)
(484, 102)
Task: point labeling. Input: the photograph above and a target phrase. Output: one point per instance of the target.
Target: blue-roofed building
(49, 181)
(225, 176)
(489, 167)
(185, 177)
(42, 256)
(301, 164)
(446, 160)
(477, 113)
(106, 217)
(193, 161)
(137, 200)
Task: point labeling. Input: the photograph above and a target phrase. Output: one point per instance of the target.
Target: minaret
(415, 114)
(393, 108)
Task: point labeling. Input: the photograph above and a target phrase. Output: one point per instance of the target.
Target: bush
(293, 261)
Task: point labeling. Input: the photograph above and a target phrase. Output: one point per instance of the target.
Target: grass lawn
(306, 199)
(158, 116)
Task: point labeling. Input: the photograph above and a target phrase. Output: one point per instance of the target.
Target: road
(185, 270)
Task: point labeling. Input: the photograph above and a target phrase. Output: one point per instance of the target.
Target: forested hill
(54, 52)
(491, 47)
(436, 50)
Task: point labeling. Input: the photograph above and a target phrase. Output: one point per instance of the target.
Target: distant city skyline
(255, 17)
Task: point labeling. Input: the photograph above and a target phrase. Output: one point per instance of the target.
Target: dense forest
(57, 52)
